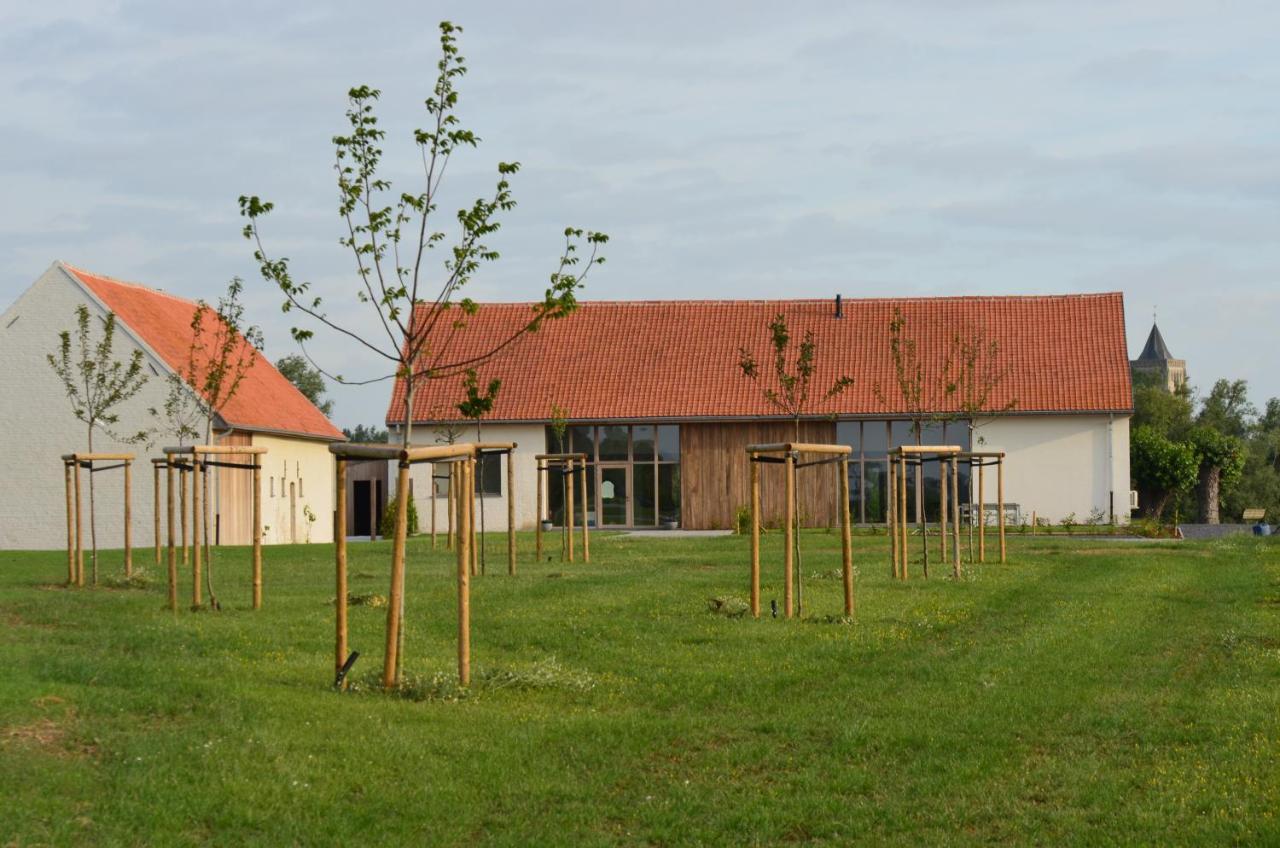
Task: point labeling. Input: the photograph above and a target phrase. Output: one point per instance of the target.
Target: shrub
(742, 521)
(1069, 522)
(388, 523)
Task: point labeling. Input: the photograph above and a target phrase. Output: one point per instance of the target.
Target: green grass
(1089, 692)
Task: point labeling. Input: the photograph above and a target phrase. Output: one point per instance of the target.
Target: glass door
(614, 491)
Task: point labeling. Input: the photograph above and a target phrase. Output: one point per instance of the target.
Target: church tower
(1156, 359)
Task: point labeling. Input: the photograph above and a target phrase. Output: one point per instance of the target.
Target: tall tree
(308, 380)
(361, 433)
(392, 238)
(1221, 459)
(1162, 468)
(96, 383)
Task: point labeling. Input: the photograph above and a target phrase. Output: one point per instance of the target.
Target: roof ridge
(128, 284)
(809, 301)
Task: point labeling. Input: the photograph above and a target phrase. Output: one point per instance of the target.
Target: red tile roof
(679, 359)
(266, 399)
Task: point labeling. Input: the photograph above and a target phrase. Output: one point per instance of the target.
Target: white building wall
(530, 440)
(307, 467)
(1056, 465)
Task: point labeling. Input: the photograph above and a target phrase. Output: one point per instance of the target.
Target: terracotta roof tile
(679, 359)
(266, 399)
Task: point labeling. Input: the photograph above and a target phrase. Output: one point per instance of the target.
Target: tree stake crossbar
(790, 454)
(199, 459)
(71, 465)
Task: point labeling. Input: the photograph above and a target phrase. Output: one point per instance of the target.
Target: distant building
(654, 396)
(1156, 359)
(267, 411)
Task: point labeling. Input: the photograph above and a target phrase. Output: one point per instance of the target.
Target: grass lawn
(1089, 692)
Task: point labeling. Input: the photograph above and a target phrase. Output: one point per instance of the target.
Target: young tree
(97, 383)
(392, 238)
(791, 394)
(908, 375)
(477, 405)
(793, 385)
(308, 380)
(222, 351)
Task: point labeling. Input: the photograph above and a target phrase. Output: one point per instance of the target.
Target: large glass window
(628, 468)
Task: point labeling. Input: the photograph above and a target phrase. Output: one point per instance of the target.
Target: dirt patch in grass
(48, 735)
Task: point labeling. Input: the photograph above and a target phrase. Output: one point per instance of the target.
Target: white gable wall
(1057, 465)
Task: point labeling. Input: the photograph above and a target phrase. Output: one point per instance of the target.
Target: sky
(730, 149)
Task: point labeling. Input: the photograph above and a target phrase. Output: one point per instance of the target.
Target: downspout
(1111, 467)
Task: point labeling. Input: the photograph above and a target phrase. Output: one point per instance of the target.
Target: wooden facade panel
(235, 494)
(715, 474)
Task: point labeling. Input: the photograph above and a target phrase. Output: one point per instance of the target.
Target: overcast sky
(732, 150)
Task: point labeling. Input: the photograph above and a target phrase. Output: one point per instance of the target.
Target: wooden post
(982, 511)
(173, 554)
(846, 542)
(155, 471)
(452, 504)
(1000, 504)
(128, 518)
(511, 513)
(476, 539)
(257, 528)
(902, 516)
(922, 515)
(79, 527)
(755, 536)
(955, 516)
(464, 578)
(186, 501)
(569, 508)
(434, 486)
(395, 603)
(340, 566)
(537, 518)
(788, 534)
(944, 506)
(1033, 522)
(586, 545)
(71, 528)
(374, 518)
(195, 531)
(890, 511)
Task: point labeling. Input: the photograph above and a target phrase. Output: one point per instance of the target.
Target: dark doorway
(364, 510)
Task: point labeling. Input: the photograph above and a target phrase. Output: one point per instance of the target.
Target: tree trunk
(1209, 494)
(206, 492)
(482, 461)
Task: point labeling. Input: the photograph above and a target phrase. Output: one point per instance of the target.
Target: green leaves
(792, 392)
(95, 382)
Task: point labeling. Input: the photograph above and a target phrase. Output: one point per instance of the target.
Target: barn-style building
(268, 411)
(654, 396)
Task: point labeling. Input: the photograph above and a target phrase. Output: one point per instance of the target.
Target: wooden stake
(453, 507)
(890, 513)
(922, 516)
(755, 536)
(173, 554)
(846, 542)
(128, 518)
(195, 533)
(586, 545)
(434, 486)
(464, 577)
(340, 567)
(955, 516)
(511, 513)
(182, 489)
(1033, 522)
(71, 526)
(569, 508)
(537, 522)
(257, 529)
(374, 518)
(982, 511)
(391, 660)
(156, 510)
(79, 529)
(1000, 505)
(788, 534)
(476, 539)
(944, 506)
(902, 516)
